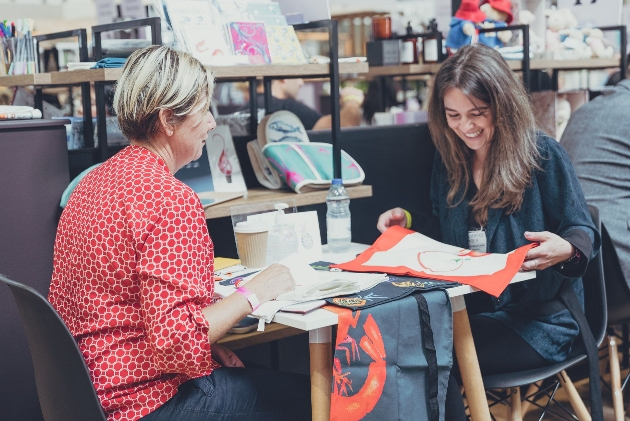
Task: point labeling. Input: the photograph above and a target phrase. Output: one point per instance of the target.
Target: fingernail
(527, 233)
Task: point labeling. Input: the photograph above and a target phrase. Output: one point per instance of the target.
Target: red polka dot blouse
(133, 267)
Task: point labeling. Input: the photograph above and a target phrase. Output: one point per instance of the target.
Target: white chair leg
(615, 379)
(526, 405)
(574, 397)
(515, 404)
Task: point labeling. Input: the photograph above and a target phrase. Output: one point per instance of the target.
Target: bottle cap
(337, 182)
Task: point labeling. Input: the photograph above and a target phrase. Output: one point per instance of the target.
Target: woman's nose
(466, 124)
(212, 124)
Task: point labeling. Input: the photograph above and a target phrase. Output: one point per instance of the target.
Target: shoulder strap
(428, 346)
(571, 302)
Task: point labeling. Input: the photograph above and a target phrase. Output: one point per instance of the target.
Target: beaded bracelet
(575, 258)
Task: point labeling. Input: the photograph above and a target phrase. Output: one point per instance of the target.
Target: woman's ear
(166, 118)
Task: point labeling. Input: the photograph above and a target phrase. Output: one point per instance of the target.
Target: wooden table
(319, 325)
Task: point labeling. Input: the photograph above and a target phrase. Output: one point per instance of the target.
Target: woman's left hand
(225, 357)
(552, 249)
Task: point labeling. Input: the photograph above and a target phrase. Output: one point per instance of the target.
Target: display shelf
(220, 73)
(535, 64)
(265, 195)
(592, 63)
(404, 69)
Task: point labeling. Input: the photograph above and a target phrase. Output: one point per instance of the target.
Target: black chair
(596, 316)
(618, 301)
(65, 390)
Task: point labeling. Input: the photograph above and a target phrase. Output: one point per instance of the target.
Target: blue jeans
(245, 394)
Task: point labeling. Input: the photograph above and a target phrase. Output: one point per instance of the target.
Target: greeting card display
(208, 44)
(224, 166)
(198, 177)
(284, 45)
(250, 39)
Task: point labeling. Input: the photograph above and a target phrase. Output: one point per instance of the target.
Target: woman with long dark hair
(498, 184)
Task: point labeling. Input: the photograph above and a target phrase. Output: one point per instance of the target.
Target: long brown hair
(483, 76)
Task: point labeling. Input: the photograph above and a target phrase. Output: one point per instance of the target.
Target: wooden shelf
(536, 64)
(221, 73)
(593, 63)
(273, 331)
(404, 69)
(266, 195)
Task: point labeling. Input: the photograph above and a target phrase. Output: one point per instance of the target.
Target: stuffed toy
(536, 42)
(563, 114)
(498, 15)
(463, 25)
(559, 22)
(595, 41)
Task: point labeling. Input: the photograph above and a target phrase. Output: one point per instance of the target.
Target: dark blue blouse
(554, 202)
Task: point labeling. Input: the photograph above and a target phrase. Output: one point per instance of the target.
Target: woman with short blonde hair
(133, 267)
(498, 184)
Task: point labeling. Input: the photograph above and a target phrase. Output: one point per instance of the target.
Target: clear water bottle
(338, 218)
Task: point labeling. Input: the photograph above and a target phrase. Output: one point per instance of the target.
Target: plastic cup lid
(251, 227)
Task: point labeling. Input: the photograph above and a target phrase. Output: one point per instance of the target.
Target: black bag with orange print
(392, 361)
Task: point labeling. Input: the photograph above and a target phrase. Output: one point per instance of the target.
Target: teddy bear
(498, 15)
(536, 42)
(559, 22)
(595, 41)
(462, 27)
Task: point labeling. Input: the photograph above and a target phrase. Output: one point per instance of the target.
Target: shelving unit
(265, 195)
(222, 74)
(250, 73)
(525, 65)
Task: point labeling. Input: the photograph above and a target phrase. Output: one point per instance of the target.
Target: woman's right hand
(271, 282)
(391, 218)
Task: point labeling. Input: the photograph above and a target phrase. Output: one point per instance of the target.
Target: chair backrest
(617, 291)
(595, 289)
(65, 390)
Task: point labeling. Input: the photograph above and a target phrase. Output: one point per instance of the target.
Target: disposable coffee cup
(251, 243)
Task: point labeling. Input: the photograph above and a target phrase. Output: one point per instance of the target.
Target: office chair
(595, 305)
(64, 387)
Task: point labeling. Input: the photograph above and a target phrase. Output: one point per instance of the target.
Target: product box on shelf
(383, 52)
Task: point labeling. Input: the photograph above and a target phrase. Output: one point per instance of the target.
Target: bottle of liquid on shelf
(338, 218)
(282, 238)
(409, 47)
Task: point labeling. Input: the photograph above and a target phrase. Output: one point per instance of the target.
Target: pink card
(250, 39)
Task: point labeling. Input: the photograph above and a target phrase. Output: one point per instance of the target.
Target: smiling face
(189, 137)
(471, 120)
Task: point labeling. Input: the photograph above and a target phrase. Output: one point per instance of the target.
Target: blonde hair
(159, 78)
(483, 75)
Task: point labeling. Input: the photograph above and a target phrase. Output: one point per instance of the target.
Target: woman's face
(471, 120)
(191, 136)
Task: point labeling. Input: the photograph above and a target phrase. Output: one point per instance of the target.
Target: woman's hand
(225, 357)
(391, 218)
(552, 249)
(271, 282)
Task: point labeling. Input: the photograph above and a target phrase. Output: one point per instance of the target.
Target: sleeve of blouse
(174, 264)
(563, 201)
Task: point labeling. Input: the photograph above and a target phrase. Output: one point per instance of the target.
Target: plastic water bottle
(338, 218)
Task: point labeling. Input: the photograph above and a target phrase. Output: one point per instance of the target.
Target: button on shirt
(133, 268)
